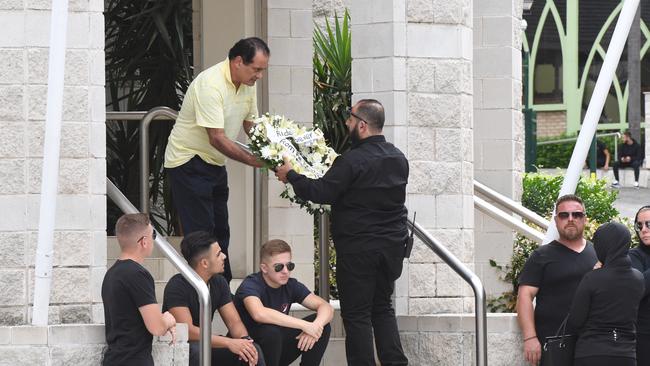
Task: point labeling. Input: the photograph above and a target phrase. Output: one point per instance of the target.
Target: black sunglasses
(349, 111)
(280, 266)
(640, 224)
(153, 235)
(576, 215)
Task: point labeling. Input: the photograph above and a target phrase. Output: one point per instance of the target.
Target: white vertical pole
(50, 177)
(596, 104)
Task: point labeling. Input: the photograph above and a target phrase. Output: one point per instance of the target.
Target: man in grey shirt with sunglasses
(551, 276)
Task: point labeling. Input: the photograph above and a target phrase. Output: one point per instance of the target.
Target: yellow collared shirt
(211, 101)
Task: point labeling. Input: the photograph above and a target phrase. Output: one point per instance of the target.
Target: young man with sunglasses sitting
(551, 275)
(264, 300)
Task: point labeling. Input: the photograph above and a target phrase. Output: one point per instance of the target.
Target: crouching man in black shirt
(130, 310)
(264, 300)
(551, 275)
(204, 255)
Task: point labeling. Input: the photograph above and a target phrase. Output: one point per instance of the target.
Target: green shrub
(539, 194)
(559, 155)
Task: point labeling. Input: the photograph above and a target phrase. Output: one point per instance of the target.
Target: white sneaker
(615, 184)
(636, 184)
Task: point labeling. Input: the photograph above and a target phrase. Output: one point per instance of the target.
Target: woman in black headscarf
(640, 257)
(606, 302)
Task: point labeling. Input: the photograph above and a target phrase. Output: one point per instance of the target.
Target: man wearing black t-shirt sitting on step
(264, 300)
(130, 310)
(551, 276)
(204, 255)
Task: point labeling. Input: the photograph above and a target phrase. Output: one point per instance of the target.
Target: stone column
(80, 231)
(415, 57)
(290, 93)
(498, 125)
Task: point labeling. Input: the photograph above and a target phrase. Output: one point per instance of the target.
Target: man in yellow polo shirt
(218, 103)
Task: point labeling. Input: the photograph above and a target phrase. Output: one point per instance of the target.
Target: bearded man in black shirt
(366, 187)
(551, 275)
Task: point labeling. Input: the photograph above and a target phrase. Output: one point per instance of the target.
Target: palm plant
(332, 97)
(333, 81)
(148, 64)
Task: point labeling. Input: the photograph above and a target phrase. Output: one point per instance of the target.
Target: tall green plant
(332, 97)
(148, 64)
(333, 81)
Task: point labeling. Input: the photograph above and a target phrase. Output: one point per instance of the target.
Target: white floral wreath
(274, 137)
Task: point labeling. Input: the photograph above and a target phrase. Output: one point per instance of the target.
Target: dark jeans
(200, 194)
(222, 356)
(635, 164)
(280, 345)
(366, 282)
(605, 361)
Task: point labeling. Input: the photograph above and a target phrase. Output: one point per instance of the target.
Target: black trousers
(635, 164)
(222, 356)
(605, 361)
(643, 349)
(200, 194)
(280, 345)
(366, 282)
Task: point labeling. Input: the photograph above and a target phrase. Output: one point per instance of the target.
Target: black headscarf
(612, 242)
(643, 246)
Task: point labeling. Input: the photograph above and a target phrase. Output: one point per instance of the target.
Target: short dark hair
(372, 112)
(128, 225)
(195, 245)
(569, 198)
(273, 247)
(247, 48)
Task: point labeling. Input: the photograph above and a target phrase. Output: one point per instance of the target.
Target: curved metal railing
(480, 307)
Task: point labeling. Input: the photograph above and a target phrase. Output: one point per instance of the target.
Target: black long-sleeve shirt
(633, 150)
(604, 311)
(366, 187)
(641, 261)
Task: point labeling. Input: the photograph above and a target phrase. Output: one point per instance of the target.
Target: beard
(570, 233)
(354, 135)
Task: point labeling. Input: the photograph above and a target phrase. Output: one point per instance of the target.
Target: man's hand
(245, 349)
(598, 265)
(532, 351)
(605, 167)
(170, 321)
(305, 342)
(282, 170)
(312, 329)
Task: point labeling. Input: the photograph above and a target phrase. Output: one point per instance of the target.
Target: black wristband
(247, 337)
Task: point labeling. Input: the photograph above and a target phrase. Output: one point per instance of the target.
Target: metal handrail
(205, 317)
(511, 205)
(569, 139)
(480, 307)
(508, 220)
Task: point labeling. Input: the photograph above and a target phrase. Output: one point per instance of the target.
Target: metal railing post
(144, 151)
(205, 318)
(324, 256)
(257, 217)
(480, 309)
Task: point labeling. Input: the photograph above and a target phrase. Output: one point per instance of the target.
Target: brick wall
(80, 236)
(550, 124)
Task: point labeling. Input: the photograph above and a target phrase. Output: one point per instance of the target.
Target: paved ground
(631, 199)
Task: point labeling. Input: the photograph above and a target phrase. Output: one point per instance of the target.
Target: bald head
(372, 112)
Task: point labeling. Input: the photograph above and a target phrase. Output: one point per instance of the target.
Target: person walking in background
(606, 303)
(640, 257)
(551, 275)
(630, 155)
